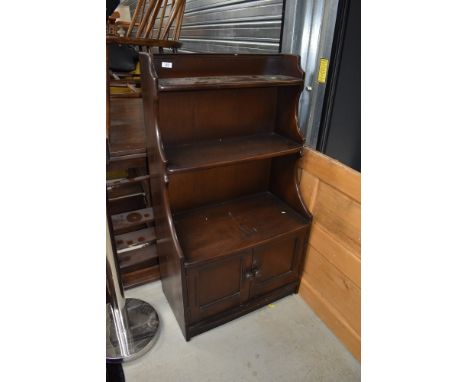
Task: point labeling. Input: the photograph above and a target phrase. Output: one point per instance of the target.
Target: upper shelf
(213, 153)
(226, 82)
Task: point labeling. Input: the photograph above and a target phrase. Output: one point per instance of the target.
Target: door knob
(249, 275)
(256, 272)
(252, 274)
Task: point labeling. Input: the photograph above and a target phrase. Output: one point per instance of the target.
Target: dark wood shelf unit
(128, 197)
(223, 146)
(127, 127)
(129, 201)
(225, 151)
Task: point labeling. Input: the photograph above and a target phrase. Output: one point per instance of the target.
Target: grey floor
(285, 341)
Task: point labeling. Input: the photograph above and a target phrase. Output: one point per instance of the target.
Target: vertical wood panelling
(331, 282)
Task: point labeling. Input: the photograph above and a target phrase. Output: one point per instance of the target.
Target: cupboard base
(222, 318)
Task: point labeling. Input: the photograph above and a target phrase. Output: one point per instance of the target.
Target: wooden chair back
(169, 20)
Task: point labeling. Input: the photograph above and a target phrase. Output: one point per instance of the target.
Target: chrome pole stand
(132, 325)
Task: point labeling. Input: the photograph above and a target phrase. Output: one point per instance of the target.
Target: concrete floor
(285, 341)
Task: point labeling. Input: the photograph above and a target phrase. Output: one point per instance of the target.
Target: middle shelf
(223, 151)
(219, 229)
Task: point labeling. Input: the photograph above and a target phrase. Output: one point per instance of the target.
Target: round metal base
(140, 331)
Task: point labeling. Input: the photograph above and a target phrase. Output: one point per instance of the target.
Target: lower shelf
(231, 314)
(216, 230)
(141, 277)
(138, 259)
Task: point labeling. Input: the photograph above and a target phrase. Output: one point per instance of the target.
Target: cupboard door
(276, 263)
(218, 286)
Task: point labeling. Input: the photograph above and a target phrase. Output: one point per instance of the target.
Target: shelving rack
(223, 145)
(128, 193)
(155, 25)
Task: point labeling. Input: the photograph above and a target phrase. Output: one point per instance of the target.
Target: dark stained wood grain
(220, 229)
(222, 153)
(277, 262)
(143, 42)
(219, 152)
(237, 311)
(141, 276)
(124, 82)
(170, 255)
(207, 64)
(197, 188)
(232, 288)
(124, 162)
(138, 259)
(194, 116)
(126, 95)
(127, 136)
(128, 197)
(286, 122)
(225, 82)
(114, 183)
(284, 183)
(127, 127)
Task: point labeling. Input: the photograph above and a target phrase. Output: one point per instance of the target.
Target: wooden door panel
(226, 278)
(276, 263)
(218, 286)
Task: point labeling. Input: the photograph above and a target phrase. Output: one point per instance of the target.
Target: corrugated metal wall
(308, 31)
(230, 26)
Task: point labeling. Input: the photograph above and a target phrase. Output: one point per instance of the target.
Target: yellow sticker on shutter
(323, 70)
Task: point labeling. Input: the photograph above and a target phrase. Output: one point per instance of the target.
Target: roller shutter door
(230, 26)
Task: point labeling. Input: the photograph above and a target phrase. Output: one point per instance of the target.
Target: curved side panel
(287, 120)
(285, 185)
(155, 150)
(171, 258)
(291, 65)
(284, 182)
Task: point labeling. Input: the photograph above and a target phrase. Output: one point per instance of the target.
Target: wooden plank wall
(331, 282)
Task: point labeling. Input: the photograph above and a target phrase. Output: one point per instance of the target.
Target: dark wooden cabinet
(223, 145)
